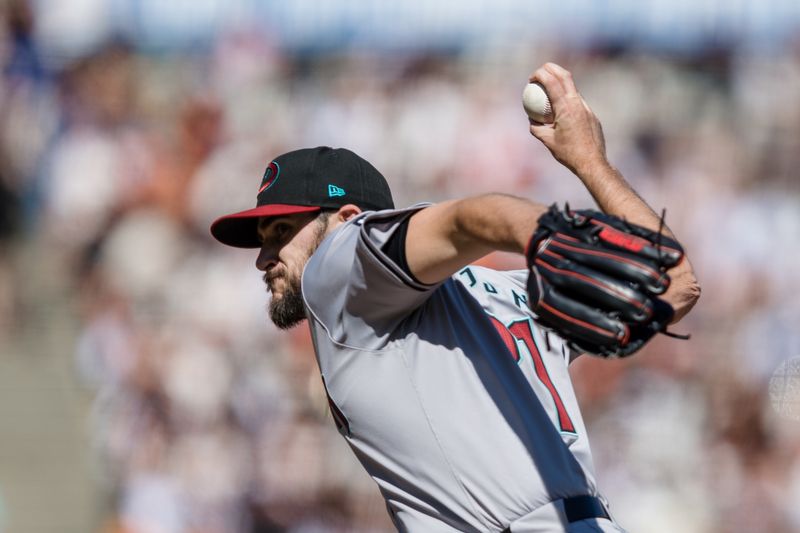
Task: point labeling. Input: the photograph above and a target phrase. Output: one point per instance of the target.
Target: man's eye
(281, 229)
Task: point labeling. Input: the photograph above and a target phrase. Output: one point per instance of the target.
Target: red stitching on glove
(557, 256)
(581, 322)
(652, 273)
(568, 237)
(596, 282)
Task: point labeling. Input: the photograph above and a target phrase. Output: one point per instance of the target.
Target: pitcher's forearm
(614, 196)
(445, 237)
(500, 221)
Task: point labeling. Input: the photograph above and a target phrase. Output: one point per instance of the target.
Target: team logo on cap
(270, 176)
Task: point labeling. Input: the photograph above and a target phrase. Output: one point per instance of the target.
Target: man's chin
(286, 324)
(287, 311)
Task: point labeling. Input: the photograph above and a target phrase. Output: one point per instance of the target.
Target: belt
(580, 508)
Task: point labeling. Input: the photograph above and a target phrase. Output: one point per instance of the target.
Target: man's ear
(348, 211)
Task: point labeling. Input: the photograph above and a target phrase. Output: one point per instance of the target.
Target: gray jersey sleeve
(354, 289)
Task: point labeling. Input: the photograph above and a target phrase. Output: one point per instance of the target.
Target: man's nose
(267, 258)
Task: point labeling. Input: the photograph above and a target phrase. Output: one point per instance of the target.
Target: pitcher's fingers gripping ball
(595, 280)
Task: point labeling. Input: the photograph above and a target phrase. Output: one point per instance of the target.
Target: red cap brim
(241, 229)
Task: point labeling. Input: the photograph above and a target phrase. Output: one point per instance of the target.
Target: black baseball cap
(304, 181)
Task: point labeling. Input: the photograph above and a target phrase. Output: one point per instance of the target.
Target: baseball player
(448, 380)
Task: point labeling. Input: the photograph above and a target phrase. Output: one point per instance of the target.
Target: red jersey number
(520, 330)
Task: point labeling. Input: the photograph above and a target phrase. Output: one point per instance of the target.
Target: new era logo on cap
(333, 190)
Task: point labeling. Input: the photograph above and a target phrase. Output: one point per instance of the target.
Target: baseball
(537, 104)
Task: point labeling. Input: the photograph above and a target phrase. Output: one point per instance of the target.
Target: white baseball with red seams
(537, 104)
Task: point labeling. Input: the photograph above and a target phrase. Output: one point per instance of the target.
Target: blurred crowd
(207, 420)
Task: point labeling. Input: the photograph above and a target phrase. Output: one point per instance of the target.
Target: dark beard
(289, 310)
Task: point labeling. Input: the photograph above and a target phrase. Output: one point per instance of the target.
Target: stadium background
(142, 389)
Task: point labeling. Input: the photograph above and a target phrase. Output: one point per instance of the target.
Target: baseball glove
(595, 280)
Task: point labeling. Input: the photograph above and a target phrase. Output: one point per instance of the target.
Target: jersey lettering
(520, 330)
(470, 276)
(520, 300)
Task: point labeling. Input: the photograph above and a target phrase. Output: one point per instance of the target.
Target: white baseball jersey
(457, 404)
